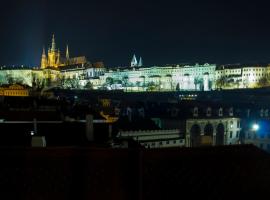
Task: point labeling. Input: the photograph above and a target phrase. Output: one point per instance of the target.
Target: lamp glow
(255, 127)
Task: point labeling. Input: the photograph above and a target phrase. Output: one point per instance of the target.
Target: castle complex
(56, 70)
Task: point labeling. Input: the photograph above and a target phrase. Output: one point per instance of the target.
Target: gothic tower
(52, 54)
(44, 62)
(140, 62)
(134, 62)
(67, 53)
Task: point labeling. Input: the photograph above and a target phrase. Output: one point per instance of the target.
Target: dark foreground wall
(91, 173)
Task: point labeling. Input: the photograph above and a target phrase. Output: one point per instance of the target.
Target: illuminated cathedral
(54, 60)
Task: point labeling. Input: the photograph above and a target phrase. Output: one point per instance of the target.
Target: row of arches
(198, 138)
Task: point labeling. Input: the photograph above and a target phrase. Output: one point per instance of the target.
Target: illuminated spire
(67, 53)
(53, 49)
(43, 59)
(140, 62)
(134, 62)
(43, 53)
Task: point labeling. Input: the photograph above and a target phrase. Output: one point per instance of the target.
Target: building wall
(231, 131)
(153, 138)
(252, 75)
(197, 77)
(170, 78)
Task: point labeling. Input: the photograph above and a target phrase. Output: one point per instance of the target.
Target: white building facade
(196, 77)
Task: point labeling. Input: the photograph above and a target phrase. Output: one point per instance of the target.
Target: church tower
(53, 57)
(140, 62)
(67, 53)
(44, 62)
(52, 54)
(134, 61)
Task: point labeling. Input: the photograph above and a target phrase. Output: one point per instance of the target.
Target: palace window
(237, 134)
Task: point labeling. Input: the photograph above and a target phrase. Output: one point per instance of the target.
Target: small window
(261, 113)
(220, 112)
(261, 145)
(231, 111)
(167, 142)
(174, 141)
(160, 143)
(208, 112)
(238, 124)
(195, 112)
(266, 113)
(231, 133)
(237, 134)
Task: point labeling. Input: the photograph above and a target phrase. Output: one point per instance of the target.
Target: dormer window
(231, 112)
(208, 112)
(220, 112)
(195, 112)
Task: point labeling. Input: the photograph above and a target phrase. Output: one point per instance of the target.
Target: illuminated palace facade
(65, 72)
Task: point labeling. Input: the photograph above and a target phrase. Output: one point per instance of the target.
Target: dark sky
(162, 32)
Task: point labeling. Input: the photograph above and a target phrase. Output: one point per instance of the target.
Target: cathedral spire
(140, 62)
(134, 61)
(53, 49)
(43, 52)
(67, 53)
(43, 59)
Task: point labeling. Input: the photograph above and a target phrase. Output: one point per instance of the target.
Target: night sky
(162, 32)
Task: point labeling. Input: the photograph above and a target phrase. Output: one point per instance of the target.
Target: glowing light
(255, 127)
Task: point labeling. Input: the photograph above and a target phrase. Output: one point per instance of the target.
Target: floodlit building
(54, 58)
(77, 72)
(211, 125)
(251, 75)
(14, 90)
(170, 78)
